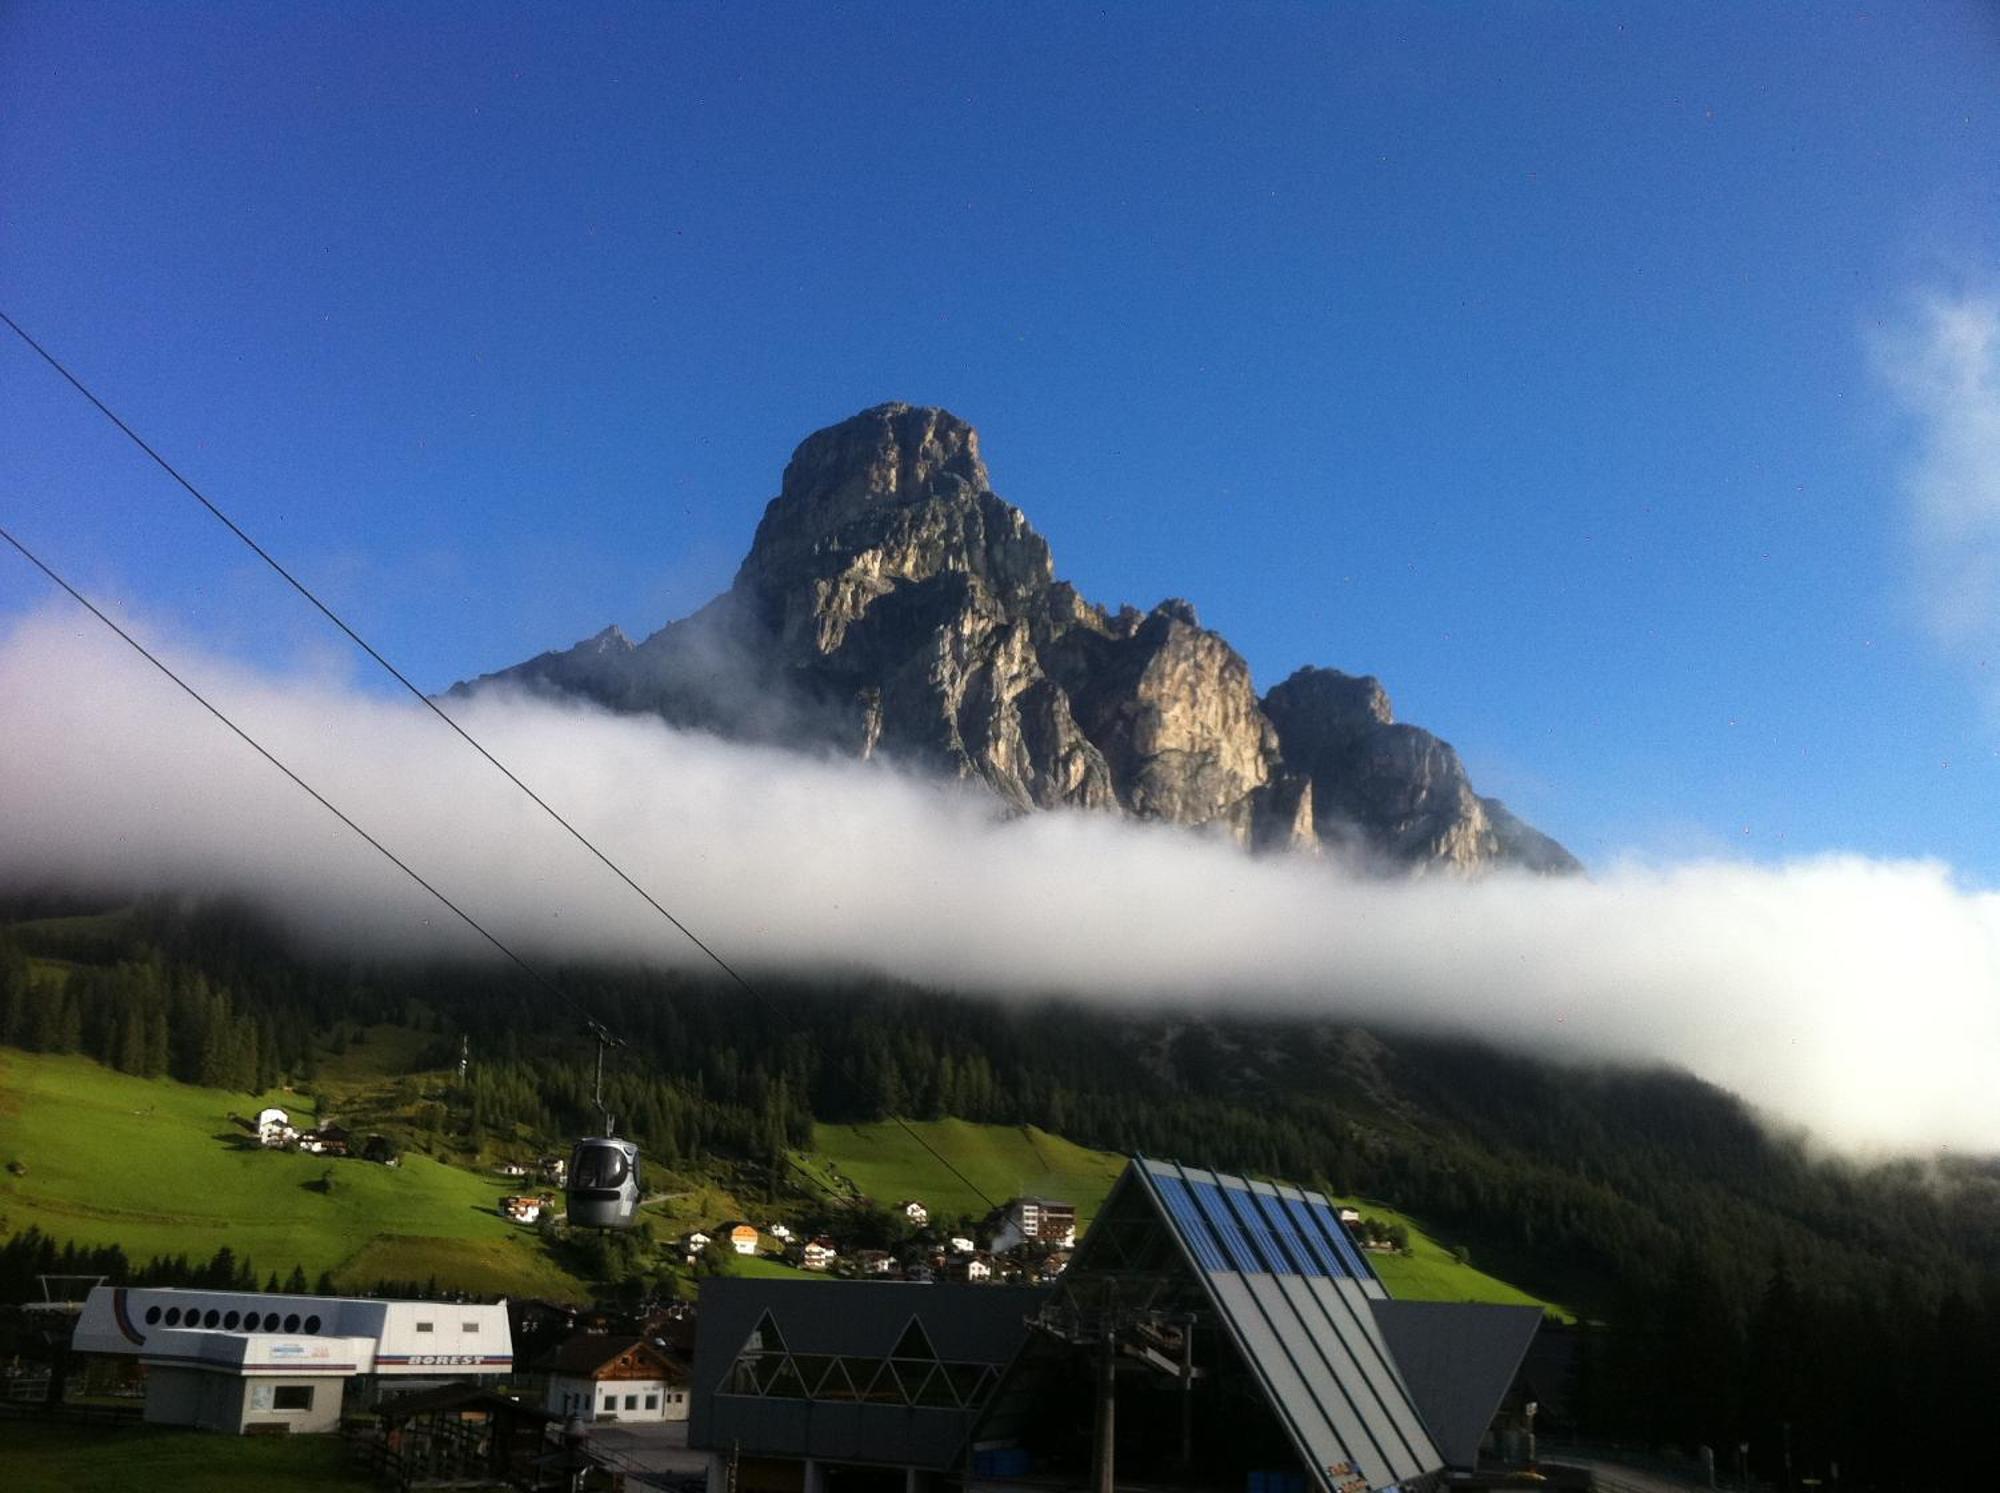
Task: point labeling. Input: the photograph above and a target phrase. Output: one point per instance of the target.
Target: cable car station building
(242, 1360)
(1210, 1333)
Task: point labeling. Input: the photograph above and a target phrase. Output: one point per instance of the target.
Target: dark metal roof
(856, 1320)
(981, 1324)
(1459, 1359)
(1296, 1298)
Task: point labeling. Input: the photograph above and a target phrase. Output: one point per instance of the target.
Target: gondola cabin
(603, 1183)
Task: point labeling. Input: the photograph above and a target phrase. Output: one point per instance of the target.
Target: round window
(292, 1322)
(312, 1324)
(173, 1316)
(270, 1321)
(152, 1315)
(211, 1318)
(230, 1319)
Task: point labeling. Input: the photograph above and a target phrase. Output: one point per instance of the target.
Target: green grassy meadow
(760, 1267)
(890, 1160)
(158, 1167)
(97, 1459)
(1428, 1271)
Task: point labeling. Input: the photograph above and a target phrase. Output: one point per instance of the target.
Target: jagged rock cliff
(892, 603)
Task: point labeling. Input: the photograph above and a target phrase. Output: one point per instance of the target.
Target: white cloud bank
(1859, 998)
(1943, 366)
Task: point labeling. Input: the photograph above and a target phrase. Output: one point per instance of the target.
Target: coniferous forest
(1738, 1287)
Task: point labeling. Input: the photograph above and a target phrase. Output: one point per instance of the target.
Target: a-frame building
(1224, 1330)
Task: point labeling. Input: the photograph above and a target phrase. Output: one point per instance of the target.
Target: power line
(362, 643)
(946, 1164)
(318, 797)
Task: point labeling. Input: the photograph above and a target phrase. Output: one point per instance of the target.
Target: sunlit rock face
(893, 605)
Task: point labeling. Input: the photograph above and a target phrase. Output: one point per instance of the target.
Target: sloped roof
(1297, 1300)
(585, 1353)
(863, 1318)
(1459, 1357)
(853, 1321)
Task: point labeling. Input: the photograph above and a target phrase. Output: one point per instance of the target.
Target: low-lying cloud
(1859, 998)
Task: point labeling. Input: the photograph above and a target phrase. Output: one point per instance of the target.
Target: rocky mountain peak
(892, 604)
(894, 456)
(1335, 701)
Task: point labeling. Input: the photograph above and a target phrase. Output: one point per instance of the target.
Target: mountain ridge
(891, 603)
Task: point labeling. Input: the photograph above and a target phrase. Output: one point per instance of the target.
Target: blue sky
(1612, 381)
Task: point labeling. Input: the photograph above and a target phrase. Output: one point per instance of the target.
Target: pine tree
(132, 1041)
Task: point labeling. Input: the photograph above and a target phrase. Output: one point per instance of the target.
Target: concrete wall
(228, 1402)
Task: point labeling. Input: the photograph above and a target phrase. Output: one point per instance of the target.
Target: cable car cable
(362, 643)
(610, 1199)
(318, 797)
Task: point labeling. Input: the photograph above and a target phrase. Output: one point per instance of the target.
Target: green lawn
(1428, 1271)
(159, 1168)
(761, 1267)
(889, 1160)
(94, 1459)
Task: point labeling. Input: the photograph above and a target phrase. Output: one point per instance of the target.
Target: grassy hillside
(158, 1167)
(949, 1164)
(933, 1160)
(1427, 1271)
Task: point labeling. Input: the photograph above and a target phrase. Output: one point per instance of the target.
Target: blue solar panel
(1334, 1229)
(1228, 1233)
(1285, 1229)
(1270, 1258)
(1187, 1219)
(1309, 1235)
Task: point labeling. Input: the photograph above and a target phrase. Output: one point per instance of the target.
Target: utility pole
(1107, 1411)
(1187, 1396)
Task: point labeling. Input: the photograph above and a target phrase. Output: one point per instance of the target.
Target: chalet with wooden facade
(595, 1377)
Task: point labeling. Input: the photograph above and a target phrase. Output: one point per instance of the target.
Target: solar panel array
(1297, 1297)
(1261, 1230)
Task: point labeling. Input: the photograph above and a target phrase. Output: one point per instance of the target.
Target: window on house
(423, 1327)
(652, 1402)
(292, 1397)
(468, 1327)
(631, 1402)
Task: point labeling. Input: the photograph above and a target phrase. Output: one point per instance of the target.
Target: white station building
(238, 1360)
